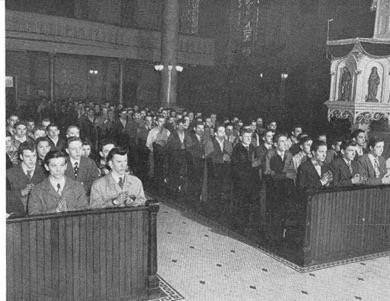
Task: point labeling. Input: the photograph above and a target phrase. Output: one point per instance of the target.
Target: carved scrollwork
(367, 117)
(340, 114)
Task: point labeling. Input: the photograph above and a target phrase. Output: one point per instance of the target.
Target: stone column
(121, 66)
(169, 46)
(51, 74)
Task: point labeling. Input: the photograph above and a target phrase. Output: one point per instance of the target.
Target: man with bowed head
(117, 188)
(57, 193)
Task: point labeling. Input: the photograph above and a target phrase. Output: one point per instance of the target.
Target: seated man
(106, 145)
(345, 169)
(314, 173)
(43, 146)
(359, 136)
(57, 193)
(335, 151)
(305, 153)
(20, 134)
(72, 131)
(373, 165)
(81, 169)
(117, 188)
(53, 132)
(23, 177)
(39, 131)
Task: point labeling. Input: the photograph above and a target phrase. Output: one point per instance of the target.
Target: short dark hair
(277, 136)
(374, 140)
(346, 143)
(87, 142)
(41, 139)
(316, 145)
(55, 154)
(104, 142)
(40, 127)
(245, 130)
(19, 123)
(304, 139)
(198, 123)
(26, 146)
(356, 133)
(73, 139)
(181, 120)
(51, 125)
(116, 151)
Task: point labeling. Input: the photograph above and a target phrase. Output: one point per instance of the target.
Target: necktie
(121, 182)
(376, 167)
(76, 169)
(350, 167)
(62, 203)
(29, 177)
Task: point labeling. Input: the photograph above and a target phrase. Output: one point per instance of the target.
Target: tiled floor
(203, 263)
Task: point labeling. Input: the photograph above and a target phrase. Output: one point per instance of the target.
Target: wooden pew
(339, 224)
(105, 254)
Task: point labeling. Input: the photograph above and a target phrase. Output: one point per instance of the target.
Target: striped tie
(62, 203)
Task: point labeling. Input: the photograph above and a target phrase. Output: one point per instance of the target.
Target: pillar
(121, 66)
(51, 75)
(169, 46)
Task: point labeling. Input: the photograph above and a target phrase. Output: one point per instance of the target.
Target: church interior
(321, 64)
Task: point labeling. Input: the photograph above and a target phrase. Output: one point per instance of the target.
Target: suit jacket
(244, 175)
(342, 176)
(18, 181)
(196, 147)
(61, 144)
(174, 142)
(106, 189)
(308, 177)
(87, 174)
(273, 162)
(44, 199)
(367, 169)
(117, 132)
(213, 150)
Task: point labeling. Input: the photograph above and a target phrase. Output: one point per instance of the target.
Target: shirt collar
(74, 161)
(116, 177)
(24, 167)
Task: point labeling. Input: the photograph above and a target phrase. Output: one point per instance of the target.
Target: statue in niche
(346, 85)
(373, 83)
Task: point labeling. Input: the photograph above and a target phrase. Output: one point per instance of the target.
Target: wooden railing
(106, 254)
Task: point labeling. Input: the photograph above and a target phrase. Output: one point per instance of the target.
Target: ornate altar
(360, 74)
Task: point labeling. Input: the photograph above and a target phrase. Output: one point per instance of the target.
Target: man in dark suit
(57, 143)
(245, 178)
(22, 178)
(117, 131)
(359, 136)
(373, 164)
(345, 169)
(80, 168)
(314, 173)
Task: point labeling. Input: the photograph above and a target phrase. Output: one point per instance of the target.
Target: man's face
(29, 158)
(336, 146)
(123, 115)
(297, 132)
(208, 122)
(86, 150)
(268, 137)
(259, 122)
(349, 153)
(75, 150)
(213, 117)
(106, 149)
(30, 126)
(143, 114)
(188, 121)
(360, 139)
(43, 148)
(229, 130)
(272, 126)
(164, 113)
(306, 147)
(199, 130)
(39, 133)
(281, 145)
(8, 141)
(56, 167)
(21, 130)
(181, 126)
(320, 153)
(253, 126)
(73, 132)
(45, 123)
(148, 120)
(246, 138)
(191, 116)
(137, 116)
(53, 132)
(13, 119)
(220, 132)
(160, 122)
(118, 164)
(377, 150)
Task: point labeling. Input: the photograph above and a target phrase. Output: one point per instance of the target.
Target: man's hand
(356, 179)
(386, 179)
(27, 190)
(326, 178)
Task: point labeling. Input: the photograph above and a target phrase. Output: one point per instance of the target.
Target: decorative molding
(66, 35)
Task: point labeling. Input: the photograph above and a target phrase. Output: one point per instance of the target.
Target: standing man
(57, 193)
(23, 177)
(359, 136)
(117, 188)
(20, 134)
(57, 143)
(80, 168)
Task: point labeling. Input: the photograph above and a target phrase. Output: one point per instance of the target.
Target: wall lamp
(93, 72)
(161, 67)
(284, 75)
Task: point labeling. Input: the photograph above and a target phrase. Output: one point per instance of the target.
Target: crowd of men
(85, 155)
